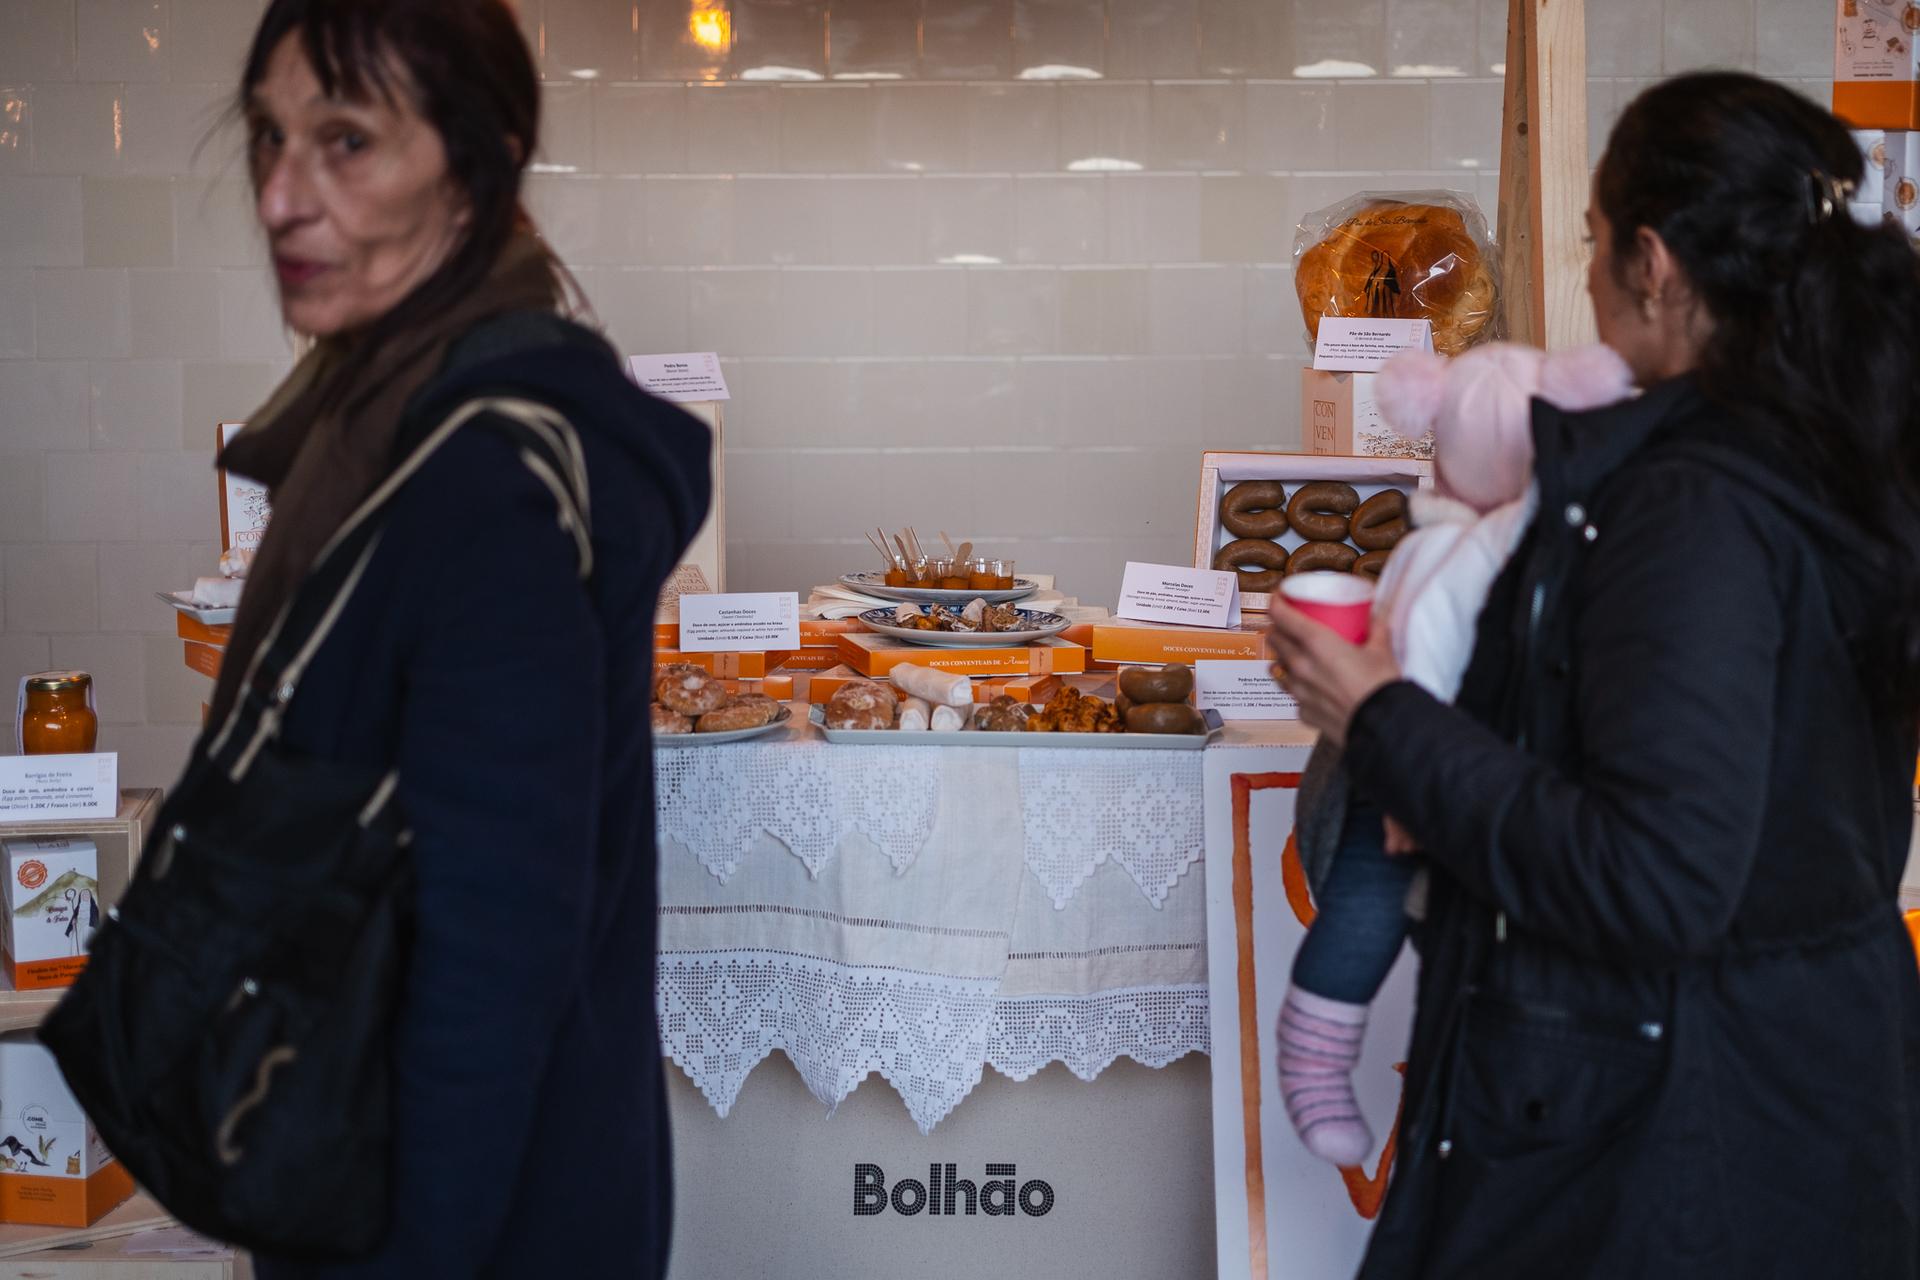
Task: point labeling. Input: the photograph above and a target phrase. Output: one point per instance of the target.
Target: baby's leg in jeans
(1348, 951)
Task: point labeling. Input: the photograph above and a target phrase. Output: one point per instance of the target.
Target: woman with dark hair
(1668, 1020)
(494, 653)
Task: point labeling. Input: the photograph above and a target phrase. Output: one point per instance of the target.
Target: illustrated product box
(53, 908)
(875, 655)
(1156, 644)
(1901, 201)
(1876, 76)
(1220, 471)
(1340, 417)
(735, 665)
(54, 1170)
(1873, 154)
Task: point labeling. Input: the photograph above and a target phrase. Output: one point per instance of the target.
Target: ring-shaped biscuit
(1381, 521)
(1260, 563)
(1255, 509)
(1319, 510)
(1312, 556)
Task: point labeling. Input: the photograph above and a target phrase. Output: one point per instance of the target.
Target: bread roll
(1398, 261)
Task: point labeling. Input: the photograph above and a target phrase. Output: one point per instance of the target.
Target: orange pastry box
(190, 628)
(1156, 643)
(875, 655)
(750, 665)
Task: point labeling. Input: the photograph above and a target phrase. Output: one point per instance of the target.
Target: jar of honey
(57, 715)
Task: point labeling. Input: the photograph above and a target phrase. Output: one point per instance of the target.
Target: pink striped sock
(1319, 1044)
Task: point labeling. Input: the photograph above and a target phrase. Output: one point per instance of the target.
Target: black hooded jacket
(1669, 1019)
(529, 1109)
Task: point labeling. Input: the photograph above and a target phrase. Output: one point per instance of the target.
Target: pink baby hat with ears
(1478, 407)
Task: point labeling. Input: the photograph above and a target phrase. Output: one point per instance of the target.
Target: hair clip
(1825, 195)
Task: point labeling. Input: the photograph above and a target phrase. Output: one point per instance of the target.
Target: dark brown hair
(469, 75)
(1814, 313)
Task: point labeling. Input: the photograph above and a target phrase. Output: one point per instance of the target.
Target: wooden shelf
(120, 838)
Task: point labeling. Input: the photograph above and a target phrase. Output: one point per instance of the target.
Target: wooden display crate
(99, 1252)
(119, 839)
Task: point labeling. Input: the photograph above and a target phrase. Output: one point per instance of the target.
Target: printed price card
(1241, 691)
(724, 622)
(55, 788)
(689, 377)
(1179, 594)
(1348, 345)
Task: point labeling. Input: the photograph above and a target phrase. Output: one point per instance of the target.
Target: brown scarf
(319, 463)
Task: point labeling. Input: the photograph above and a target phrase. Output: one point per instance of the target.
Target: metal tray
(1041, 625)
(779, 721)
(989, 738)
(874, 584)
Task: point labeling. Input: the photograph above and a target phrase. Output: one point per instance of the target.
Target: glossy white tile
(217, 391)
(1624, 37)
(1198, 126)
(877, 220)
(1709, 34)
(129, 574)
(81, 314)
(135, 404)
(1433, 38)
(590, 40)
(689, 221)
(768, 475)
(1060, 218)
(1153, 40)
(642, 310)
(732, 128)
(1466, 117)
(215, 225)
(639, 128)
(178, 129)
(42, 217)
(1290, 126)
(1244, 38)
(16, 131)
(1059, 39)
(78, 128)
(1793, 38)
(1012, 310)
(827, 128)
(1382, 124)
(173, 315)
(1243, 218)
(174, 692)
(40, 45)
(1013, 127)
(920, 127)
(873, 38)
(23, 497)
(1104, 311)
(968, 221)
(825, 312)
(779, 40)
(251, 326)
(1196, 311)
(124, 40)
(1153, 217)
(1105, 128)
(118, 667)
(52, 587)
(127, 222)
(90, 497)
(919, 311)
(1336, 38)
(734, 311)
(967, 39)
(177, 495)
(210, 38)
(566, 127)
(783, 221)
(1274, 326)
(16, 313)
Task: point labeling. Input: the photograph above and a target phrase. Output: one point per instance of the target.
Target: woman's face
(1643, 308)
(354, 195)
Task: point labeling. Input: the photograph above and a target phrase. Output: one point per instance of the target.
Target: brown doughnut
(1337, 556)
(747, 711)
(1171, 683)
(1165, 717)
(1255, 509)
(1381, 521)
(1260, 564)
(690, 691)
(1371, 564)
(667, 720)
(1319, 510)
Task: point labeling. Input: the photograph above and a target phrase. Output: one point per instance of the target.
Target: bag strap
(548, 446)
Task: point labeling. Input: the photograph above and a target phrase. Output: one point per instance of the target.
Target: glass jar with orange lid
(56, 714)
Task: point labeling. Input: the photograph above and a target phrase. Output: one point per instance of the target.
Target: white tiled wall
(951, 290)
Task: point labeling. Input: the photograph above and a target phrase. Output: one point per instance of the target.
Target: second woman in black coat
(1669, 1021)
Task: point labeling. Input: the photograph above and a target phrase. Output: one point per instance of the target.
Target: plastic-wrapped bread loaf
(914, 715)
(940, 688)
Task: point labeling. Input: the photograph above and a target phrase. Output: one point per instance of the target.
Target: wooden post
(1544, 175)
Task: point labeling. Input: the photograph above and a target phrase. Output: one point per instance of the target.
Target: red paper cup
(1342, 601)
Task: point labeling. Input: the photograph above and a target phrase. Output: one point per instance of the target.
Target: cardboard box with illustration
(53, 908)
(54, 1170)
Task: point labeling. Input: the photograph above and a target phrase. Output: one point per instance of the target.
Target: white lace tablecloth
(927, 912)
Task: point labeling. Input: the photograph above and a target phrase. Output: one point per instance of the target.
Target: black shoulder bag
(232, 1031)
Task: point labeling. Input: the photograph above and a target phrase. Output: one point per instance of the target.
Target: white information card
(55, 788)
(722, 622)
(687, 377)
(1179, 594)
(1347, 345)
(1241, 691)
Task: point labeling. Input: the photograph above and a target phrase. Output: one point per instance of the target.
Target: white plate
(213, 617)
(1007, 738)
(721, 739)
(874, 584)
(1043, 625)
